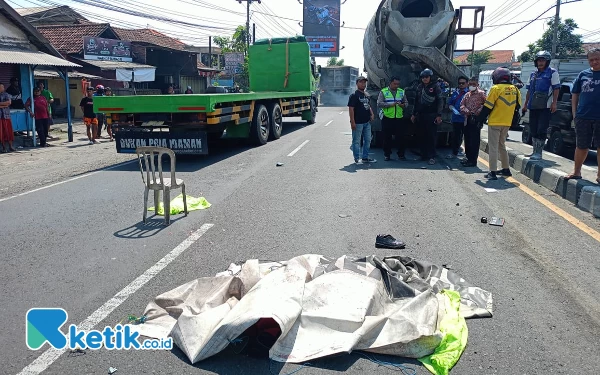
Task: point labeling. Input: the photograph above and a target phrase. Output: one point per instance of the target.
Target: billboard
(234, 62)
(321, 27)
(106, 49)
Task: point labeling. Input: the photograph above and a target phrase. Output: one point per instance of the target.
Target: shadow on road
(154, 225)
(219, 151)
(229, 362)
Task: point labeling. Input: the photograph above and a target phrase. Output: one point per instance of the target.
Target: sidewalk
(32, 167)
(550, 173)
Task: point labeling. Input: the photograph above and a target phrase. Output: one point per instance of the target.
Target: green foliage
(333, 61)
(569, 44)
(477, 59)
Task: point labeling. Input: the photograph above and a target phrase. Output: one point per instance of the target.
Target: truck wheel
(276, 121)
(556, 144)
(313, 112)
(259, 131)
(526, 135)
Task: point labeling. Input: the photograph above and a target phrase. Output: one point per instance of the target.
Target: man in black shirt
(361, 114)
(89, 116)
(428, 114)
(15, 92)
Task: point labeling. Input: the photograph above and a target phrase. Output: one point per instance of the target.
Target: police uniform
(392, 120)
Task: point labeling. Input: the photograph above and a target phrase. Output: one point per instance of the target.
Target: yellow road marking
(560, 212)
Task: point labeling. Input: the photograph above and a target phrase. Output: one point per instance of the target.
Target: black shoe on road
(506, 172)
(386, 241)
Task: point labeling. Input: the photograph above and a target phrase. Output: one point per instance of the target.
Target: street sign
(234, 62)
(321, 27)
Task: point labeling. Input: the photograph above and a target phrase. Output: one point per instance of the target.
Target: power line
(529, 23)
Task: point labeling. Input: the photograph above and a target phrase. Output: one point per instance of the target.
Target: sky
(193, 21)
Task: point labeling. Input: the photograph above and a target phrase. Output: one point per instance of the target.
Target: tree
(477, 59)
(333, 61)
(569, 44)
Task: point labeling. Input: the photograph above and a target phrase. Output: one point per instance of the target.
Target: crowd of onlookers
(472, 107)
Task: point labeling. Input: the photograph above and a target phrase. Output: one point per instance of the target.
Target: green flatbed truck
(283, 83)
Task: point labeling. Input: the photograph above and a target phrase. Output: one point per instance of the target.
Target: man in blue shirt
(586, 113)
(541, 101)
(458, 120)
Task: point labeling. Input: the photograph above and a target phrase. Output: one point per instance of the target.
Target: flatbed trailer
(286, 85)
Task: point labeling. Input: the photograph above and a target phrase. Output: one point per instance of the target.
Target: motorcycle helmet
(426, 73)
(543, 55)
(501, 75)
(99, 87)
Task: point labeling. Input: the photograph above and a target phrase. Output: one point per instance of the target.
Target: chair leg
(145, 214)
(167, 204)
(184, 199)
(156, 201)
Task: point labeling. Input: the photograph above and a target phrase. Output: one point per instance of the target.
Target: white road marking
(298, 148)
(329, 123)
(65, 181)
(341, 112)
(46, 359)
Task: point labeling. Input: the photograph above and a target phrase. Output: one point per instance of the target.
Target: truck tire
(259, 131)
(526, 135)
(313, 112)
(275, 120)
(556, 143)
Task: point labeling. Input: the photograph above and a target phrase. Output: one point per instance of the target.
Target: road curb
(582, 193)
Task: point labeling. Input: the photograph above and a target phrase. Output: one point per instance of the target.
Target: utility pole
(248, 34)
(555, 31)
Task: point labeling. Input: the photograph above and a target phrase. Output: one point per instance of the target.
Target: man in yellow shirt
(503, 100)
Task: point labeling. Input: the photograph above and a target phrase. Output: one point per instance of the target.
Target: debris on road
(279, 164)
(497, 221)
(177, 205)
(111, 370)
(312, 301)
(343, 216)
(484, 220)
(458, 204)
(490, 190)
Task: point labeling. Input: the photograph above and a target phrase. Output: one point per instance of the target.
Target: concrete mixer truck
(406, 36)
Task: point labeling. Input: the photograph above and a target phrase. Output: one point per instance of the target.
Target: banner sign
(321, 27)
(191, 143)
(234, 62)
(106, 49)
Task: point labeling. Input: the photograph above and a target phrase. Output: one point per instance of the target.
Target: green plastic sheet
(454, 328)
(193, 204)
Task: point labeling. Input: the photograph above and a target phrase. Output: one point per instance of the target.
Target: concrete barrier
(582, 193)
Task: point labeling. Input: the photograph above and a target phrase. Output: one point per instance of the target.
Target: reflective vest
(395, 111)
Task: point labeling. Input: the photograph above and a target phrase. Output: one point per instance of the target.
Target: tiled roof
(69, 39)
(151, 37)
(498, 57)
(202, 67)
(589, 46)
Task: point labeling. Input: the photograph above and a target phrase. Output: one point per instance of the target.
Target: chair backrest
(152, 174)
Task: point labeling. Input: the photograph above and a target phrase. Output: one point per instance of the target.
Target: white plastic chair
(152, 177)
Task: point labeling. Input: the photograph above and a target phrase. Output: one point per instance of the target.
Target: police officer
(502, 102)
(428, 114)
(392, 102)
(541, 101)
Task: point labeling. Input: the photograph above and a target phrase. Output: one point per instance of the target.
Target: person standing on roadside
(428, 114)
(50, 99)
(471, 107)
(502, 102)
(586, 113)
(541, 101)
(6, 130)
(99, 116)
(40, 113)
(108, 92)
(391, 101)
(89, 116)
(458, 120)
(361, 114)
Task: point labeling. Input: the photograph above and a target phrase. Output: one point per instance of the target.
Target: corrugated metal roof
(33, 10)
(113, 65)
(28, 57)
(53, 74)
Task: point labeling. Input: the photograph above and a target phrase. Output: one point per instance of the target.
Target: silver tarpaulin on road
(321, 305)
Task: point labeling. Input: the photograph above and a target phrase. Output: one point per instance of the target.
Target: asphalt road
(77, 244)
